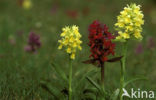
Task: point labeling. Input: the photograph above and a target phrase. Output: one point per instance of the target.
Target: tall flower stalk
(102, 74)
(123, 62)
(100, 45)
(70, 79)
(70, 40)
(128, 25)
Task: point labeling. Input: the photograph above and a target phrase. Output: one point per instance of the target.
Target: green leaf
(114, 96)
(50, 89)
(134, 79)
(60, 72)
(93, 83)
(82, 77)
(89, 97)
(114, 59)
(90, 90)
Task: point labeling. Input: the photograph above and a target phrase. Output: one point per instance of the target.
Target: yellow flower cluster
(129, 23)
(27, 4)
(70, 40)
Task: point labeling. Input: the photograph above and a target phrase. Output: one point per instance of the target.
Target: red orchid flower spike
(100, 42)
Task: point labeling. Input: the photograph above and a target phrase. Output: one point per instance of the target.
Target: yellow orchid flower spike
(70, 40)
(129, 23)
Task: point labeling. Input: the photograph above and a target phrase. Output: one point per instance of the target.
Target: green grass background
(21, 72)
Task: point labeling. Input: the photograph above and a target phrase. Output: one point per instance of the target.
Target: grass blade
(53, 91)
(60, 72)
(115, 95)
(134, 79)
(93, 83)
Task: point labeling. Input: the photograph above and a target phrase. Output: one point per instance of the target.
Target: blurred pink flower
(27, 48)
(139, 49)
(12, 40)
(20, 2)
(150, 43)
(72, 13)
(33, 43)
(85, 11)
(54, 9)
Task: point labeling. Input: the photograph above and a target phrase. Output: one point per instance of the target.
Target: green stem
(102, 75)
(122, 79)
(102, 80)
(70, 79)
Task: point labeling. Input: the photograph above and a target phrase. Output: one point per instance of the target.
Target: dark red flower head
(100, 42)
(33, 42)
